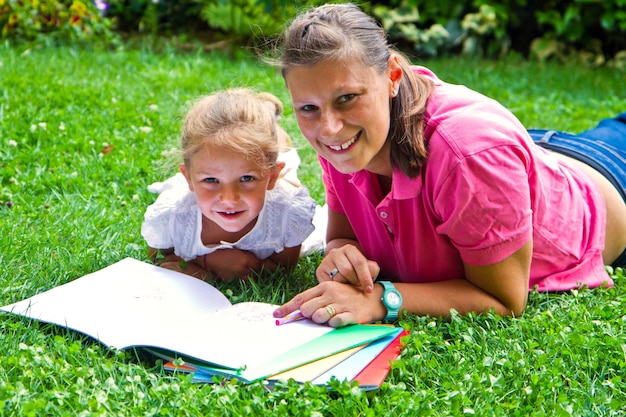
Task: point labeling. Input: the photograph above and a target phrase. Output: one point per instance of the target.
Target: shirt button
(383, 215)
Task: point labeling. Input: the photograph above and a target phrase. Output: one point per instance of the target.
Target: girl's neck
(213, 234)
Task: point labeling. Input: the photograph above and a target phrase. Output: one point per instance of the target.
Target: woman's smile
(346, 144)
(343, 111)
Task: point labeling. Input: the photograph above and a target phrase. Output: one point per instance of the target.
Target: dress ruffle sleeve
(156, 228)
(299, 218)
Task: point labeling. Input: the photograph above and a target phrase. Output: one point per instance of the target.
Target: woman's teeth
(344, 145)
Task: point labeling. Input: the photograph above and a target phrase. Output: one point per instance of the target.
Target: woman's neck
(385, 183)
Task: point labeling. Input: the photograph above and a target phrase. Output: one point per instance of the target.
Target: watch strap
(392, 300)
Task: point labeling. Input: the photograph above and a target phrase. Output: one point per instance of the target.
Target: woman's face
(343, 111)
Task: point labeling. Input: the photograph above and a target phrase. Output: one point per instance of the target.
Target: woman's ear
(183, 169)
(275, 174)
(395, 74)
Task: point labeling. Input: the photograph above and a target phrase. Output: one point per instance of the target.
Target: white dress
(175, 221)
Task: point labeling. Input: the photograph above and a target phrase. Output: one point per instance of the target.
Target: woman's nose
(331, 124)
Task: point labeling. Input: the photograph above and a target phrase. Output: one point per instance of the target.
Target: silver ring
(332, 273)
(331, 311)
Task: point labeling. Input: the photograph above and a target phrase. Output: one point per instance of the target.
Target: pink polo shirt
(486, 188)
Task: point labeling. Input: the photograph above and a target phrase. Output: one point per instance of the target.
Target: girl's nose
(229, 194)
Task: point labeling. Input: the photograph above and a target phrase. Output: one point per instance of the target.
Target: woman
(433, 186)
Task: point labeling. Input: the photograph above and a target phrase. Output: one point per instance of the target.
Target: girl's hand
(226, 264)
(337, 304)
(347, 264)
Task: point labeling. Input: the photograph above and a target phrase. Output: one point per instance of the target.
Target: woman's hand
(347, 264)
(337, 304)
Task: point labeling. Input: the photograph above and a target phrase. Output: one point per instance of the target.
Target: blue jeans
(603, 148)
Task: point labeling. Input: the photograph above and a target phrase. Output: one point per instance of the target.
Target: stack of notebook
(195, 328)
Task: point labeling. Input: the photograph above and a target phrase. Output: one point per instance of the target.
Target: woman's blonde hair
(342, 32)
(235, 119)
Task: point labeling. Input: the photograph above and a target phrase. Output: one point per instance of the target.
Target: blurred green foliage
(590, 31)
(55, 21)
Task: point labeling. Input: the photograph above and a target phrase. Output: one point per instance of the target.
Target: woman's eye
(308, 108)
(247, 178)
(346, 98)
(210, 180)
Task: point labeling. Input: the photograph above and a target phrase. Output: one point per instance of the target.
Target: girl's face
(343, 111)
(230, 190)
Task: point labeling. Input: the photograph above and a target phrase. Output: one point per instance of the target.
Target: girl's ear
(183, 169)
(275, 174)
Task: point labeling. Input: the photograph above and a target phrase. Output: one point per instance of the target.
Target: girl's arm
(167, 259)
(288, 259)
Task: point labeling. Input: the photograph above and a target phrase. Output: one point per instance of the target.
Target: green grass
(83, 133)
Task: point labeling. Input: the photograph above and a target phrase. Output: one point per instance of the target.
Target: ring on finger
(332, 273)
(331, 311)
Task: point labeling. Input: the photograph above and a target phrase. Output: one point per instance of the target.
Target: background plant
(591, 32)
(493, 28)
(54, 21)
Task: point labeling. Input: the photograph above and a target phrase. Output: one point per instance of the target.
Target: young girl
(228, 213)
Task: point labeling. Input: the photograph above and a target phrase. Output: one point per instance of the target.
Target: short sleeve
(299, 218)
(174, 198)
(485, 205)
(155, 227)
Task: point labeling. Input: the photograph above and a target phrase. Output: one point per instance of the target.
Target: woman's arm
(502, 286)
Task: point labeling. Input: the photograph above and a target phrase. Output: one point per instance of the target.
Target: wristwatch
(392, 300)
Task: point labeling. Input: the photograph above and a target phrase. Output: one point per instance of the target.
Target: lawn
(82, 134)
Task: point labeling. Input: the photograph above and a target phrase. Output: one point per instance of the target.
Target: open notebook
(136, 304)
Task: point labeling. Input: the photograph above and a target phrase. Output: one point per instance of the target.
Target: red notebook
(372, 376)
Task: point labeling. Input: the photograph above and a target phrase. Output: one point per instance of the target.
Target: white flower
(62, 126)
(43, 125)
(154, 107)
(33, 128)
(12, 143)
(146, 129)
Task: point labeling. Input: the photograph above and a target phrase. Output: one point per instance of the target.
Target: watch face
(393, 300)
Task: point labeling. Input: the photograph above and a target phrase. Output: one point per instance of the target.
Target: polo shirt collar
(402, 187)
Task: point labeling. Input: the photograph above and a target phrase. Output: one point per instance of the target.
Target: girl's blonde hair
(343, 33)
(235, 119)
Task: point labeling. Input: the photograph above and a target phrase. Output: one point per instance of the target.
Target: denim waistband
(609, 160)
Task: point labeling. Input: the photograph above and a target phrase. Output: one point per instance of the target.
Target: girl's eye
(210, 180)
(247, 178)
